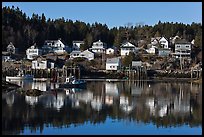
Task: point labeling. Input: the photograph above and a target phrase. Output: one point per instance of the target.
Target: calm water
(105, 107)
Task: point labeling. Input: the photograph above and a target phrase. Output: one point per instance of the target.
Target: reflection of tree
(15, 118)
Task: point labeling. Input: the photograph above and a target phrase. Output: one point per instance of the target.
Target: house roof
(182, 41)
(87, 52)
(78, 41)
(112, 60)
(53, 41)
(127, 44)
(75, 52)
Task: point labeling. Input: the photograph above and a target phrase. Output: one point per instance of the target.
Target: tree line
(23, 31)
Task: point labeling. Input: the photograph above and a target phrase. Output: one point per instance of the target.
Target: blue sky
(116, 14)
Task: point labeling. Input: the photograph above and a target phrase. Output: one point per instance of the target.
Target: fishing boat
(20, 76)
(72, 82)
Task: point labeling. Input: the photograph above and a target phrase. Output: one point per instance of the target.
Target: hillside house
(111, 51)
(164, 42)
(126, 48)
(56, 46)
(42, 63)
(182, 48)
(85, 54)
(11, 48)
(98, 47)
(33, 52)
(76, 45)
(113, 63)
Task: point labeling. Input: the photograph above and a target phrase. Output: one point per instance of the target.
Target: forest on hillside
(23, 31)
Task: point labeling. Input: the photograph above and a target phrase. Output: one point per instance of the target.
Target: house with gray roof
(182, 48)
(113, 63)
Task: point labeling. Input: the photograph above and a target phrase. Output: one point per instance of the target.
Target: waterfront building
(113, 63)
(98, 47)
(126, 48)
(33, 52)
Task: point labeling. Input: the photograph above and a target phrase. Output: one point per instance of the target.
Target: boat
(72, 82)
(20, 76)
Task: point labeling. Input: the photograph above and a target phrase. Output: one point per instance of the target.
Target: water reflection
(160, 103)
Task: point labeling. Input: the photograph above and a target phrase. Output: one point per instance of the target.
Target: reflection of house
(33, 51)
(152, 106)
(82, 96)
(136, 90)
(39, 85)
(98, 47)
(109, 100)
(53, 101)
(111, 89)
(10, 99)
(59, 101)
(163, 111)
(97, 103)
(31, 100)
(125, 104)
(113, 64)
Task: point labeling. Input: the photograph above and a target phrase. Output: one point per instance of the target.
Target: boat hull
(69, 85)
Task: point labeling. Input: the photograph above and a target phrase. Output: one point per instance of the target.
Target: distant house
(152, 50)
(182, 48)
(6, 56)
(56, 46)
(126, 48)
(155, 41)
(174, 39)
(113, 63)
(164, 52)
(98, 47)
(42, 63)
(76, 45)
(11, 48)
(33, 52)
(111, 51)
(164, 42)
(136, 64)
(193, 42)
(85, 54)
(75, 54)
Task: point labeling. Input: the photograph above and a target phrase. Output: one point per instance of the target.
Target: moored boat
(20, 76)
(72, 82)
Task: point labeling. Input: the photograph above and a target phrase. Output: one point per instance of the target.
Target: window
(110, 66)
(113, 66)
